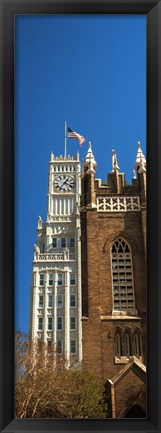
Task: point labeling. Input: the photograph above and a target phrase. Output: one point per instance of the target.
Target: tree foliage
(45, 388)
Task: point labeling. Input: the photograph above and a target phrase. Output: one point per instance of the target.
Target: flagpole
(65, 139)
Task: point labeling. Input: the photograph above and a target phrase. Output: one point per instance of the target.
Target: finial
(89, 160)
(140, 159)
(114, 161)
(116, 167)
(51, 156)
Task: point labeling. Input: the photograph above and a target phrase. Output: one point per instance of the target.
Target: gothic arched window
(118, 348)
(127, 348)
(136, 344)
(122, 276)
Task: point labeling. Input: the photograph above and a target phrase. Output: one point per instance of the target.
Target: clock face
(64, 183)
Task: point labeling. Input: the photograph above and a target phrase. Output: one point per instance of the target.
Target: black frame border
(8, 10)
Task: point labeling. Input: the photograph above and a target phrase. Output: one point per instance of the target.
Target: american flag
(73, 134)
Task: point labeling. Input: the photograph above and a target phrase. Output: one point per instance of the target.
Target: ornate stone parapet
(118, 204)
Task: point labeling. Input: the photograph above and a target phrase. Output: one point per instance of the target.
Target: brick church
(88, 292)
(113, 238)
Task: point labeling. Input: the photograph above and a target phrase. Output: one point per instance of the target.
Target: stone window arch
(136, 344)
(118, 345)
(127, 344)
(122, 276)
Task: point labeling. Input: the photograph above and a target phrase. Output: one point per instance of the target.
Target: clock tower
(55, 317)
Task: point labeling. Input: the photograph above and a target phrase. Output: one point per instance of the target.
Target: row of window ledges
(59, 346)
(60, 280)
(128, 344)
(50, 327)
(60, 301)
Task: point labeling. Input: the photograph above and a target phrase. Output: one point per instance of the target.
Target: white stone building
(55, 314)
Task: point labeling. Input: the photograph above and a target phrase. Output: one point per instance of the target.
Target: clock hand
(64, 182)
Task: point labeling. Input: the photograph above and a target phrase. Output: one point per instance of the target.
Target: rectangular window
(50, 301)
(73, 346)
(63, 242)
(42, 247)
(51, 281)
(72, 242)
(60, 323)
(60, 279)
(60, 346)
(60, 301)
(73, 300)
(40, 323)
(41, 279)
(73, 323)
(41, 301)
(72, 279)
(54, 243)
(50, 323)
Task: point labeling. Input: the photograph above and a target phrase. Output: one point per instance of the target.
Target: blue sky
(90, 71)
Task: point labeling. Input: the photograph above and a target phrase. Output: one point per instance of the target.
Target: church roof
(133, 363)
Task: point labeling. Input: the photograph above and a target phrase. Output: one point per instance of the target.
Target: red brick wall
(127, 391)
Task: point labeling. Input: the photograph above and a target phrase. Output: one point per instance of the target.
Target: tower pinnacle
(89, 162)
(114, 161)
(140, 163)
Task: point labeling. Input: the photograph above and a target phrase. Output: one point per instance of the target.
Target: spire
(140, 160)
(90, 162)
(142, 164)
(114, 161)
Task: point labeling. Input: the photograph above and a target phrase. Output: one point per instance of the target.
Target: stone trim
(118, 204)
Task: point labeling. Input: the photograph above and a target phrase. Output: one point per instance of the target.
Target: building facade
(113, 233)
(88, 294)
(55, 316)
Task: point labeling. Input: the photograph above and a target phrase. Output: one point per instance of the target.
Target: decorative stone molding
(62, 219)
(125, 360)
(118, 204)
(63, 158)
(56, 257)
(120, 234)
